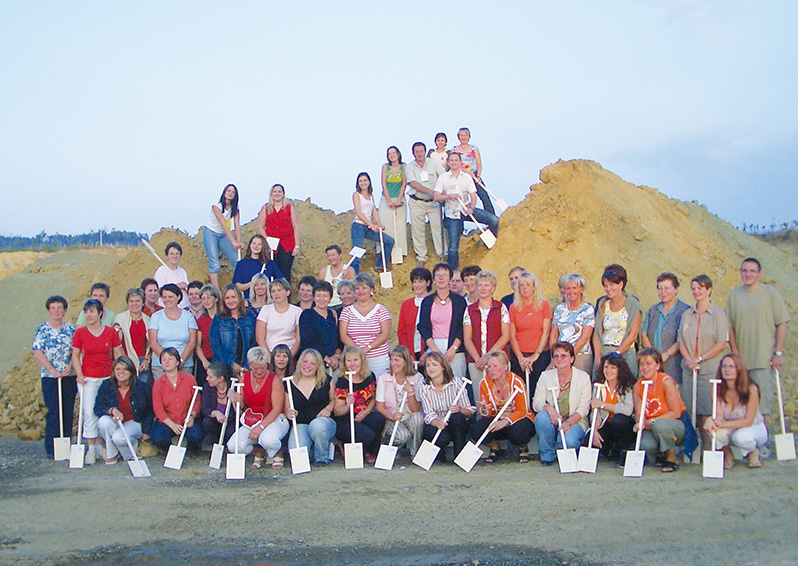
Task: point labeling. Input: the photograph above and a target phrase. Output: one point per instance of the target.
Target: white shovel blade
(61, 448)
(77, 452)
(236, 467)
(785, 446)
(174, 458)
(216, 456)
(386, 279)
(273, 242)
(386, 457)
(633, 467)
(567, 461)
(138, 468)
(502, 205)
(397, 257)
(300, 461)
(468, 456)
(426, 455)
(713, 464)
(588, 460)
(488, 238)
(353, 455)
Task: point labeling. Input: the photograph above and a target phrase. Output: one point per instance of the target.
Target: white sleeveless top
(213, 222)
(366, 207)
(335, 300)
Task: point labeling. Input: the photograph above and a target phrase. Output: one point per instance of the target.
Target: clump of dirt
(579, 218)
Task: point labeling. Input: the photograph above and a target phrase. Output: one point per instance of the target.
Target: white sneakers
(91, 455)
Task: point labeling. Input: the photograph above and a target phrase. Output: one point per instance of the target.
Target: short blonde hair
(486, 274)
(352, 349)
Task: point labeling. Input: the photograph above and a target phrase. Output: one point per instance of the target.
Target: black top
(316, 331)
(308, 408)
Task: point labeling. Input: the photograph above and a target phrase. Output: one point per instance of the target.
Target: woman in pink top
(278, 322)
(367, 225)
(367, 324)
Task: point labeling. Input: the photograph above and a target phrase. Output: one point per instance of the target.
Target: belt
(414, 197)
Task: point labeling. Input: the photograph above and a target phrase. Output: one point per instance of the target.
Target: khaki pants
(419, 212)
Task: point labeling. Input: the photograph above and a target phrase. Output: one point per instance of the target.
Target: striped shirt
(363, 330)
(435, 404)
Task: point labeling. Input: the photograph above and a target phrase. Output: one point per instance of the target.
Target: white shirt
(462, 185)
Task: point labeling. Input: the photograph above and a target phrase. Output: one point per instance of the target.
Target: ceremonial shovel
(528, 393)
(396, 254)
(236, 463)
(273, 244)
(137, 467)
(153, 252)
(428, 451)
(566, 458)
(176, 454)
(300, 461)
(78, 451)
(785, 442)
(500, 204)
(218, 449)
(471, 452)
(386, 277)
(713, 459)
(61, 444)
(588, 456)
(354, 252)
(387, 453)
(486, 236)
(353, 451)
(635, 459)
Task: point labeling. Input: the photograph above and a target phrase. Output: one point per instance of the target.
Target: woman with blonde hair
(573, 320)
(530, 325)
(278, 219)
(401, 378)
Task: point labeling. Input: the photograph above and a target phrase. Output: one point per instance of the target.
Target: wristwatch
(778, 353)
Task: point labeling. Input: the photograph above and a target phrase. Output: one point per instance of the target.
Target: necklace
(443, 300)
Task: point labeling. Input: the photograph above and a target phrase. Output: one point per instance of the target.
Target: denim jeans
(360, 233)
(484, 197)
(550, 440)
(69, 390)
(161, 436)
(213, 242)
(320, 432)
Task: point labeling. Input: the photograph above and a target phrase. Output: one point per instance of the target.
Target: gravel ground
(504, 514)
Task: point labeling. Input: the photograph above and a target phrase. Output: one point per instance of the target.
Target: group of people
(314, 361)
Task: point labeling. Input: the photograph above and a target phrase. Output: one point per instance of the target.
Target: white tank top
(335, 300)
(366, 207)
(213, 222)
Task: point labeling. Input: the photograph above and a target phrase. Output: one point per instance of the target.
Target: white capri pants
(88, 395)
(270, 438)
(115, 440)
(747, 439)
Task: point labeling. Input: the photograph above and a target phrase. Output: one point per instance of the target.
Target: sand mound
(579, 218)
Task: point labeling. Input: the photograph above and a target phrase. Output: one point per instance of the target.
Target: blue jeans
(213, 242)
(485, 198)
(550, 440)
(320, 432)
(454, 229)
(161, 436)
(52, 430)
(360, 233)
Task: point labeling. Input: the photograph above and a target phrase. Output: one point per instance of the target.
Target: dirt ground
(507, 513)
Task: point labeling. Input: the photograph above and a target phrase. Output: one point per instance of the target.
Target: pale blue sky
(135, 115)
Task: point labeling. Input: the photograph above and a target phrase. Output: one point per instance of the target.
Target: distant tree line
(758, 229)
(50, 242)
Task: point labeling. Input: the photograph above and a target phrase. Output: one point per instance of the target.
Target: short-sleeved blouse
(364, 392)
(173, 333)
(570, 323)
(363, 330)
(97, 352)
(56, 344)
(280, 327)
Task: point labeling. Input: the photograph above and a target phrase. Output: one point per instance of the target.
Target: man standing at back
(422, 175)
(758, 316)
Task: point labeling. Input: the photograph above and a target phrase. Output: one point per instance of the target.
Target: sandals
(257, 464)
(277, 462)
(670, 467)
(753, 459)
(492, 456)
(523, 455)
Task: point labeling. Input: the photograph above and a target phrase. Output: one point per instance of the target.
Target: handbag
(250, 418)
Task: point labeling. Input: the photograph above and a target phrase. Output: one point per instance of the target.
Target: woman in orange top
(530, 326)
(516, 424)
(662, 429)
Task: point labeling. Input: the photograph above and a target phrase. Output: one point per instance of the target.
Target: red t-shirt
(97, 352)
(138, 335)
(204, 327)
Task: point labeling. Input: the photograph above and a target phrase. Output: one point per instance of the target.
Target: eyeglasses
(560, 356)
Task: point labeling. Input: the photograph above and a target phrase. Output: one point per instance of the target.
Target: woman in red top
(171, 402)
(263, 424)
(406, 331)
(530, 325)
(278, 219)
(662, 429)
(132, 328)
(202, 351)
(94, 348)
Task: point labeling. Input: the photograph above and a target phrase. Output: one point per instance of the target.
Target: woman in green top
(393, 213)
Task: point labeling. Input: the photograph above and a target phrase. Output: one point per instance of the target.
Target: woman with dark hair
(703, 339)
(255, 261)
(318, 326)
(660, 327)
(472, 164)
(94, 348)
(440, 321)
(123, 399)
(739, 421)
(615, 405)
(393, 214)
(278, 219)
(618, 319)
(367, 224)
(439, 152)
(171, 402)
(662, 428)
(52, 348)
(173, 274)
(281, 362)
(222, 232)
(132, 328)
(368, 422)
(401, 378)
(334, 273)
(172, 327)
(278, 322)
(367, 324)
(438, 394)
(305, 292)
(232, 330)
(406, 329)
(214, 404)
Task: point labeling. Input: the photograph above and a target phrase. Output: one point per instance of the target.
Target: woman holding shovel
(393, 214)
(367, 224)
(739, 421)
(614, 424)
(171, 402)
(123, 399)
(391, 386)
(314, 400)
(662, 429)
(214, 404)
